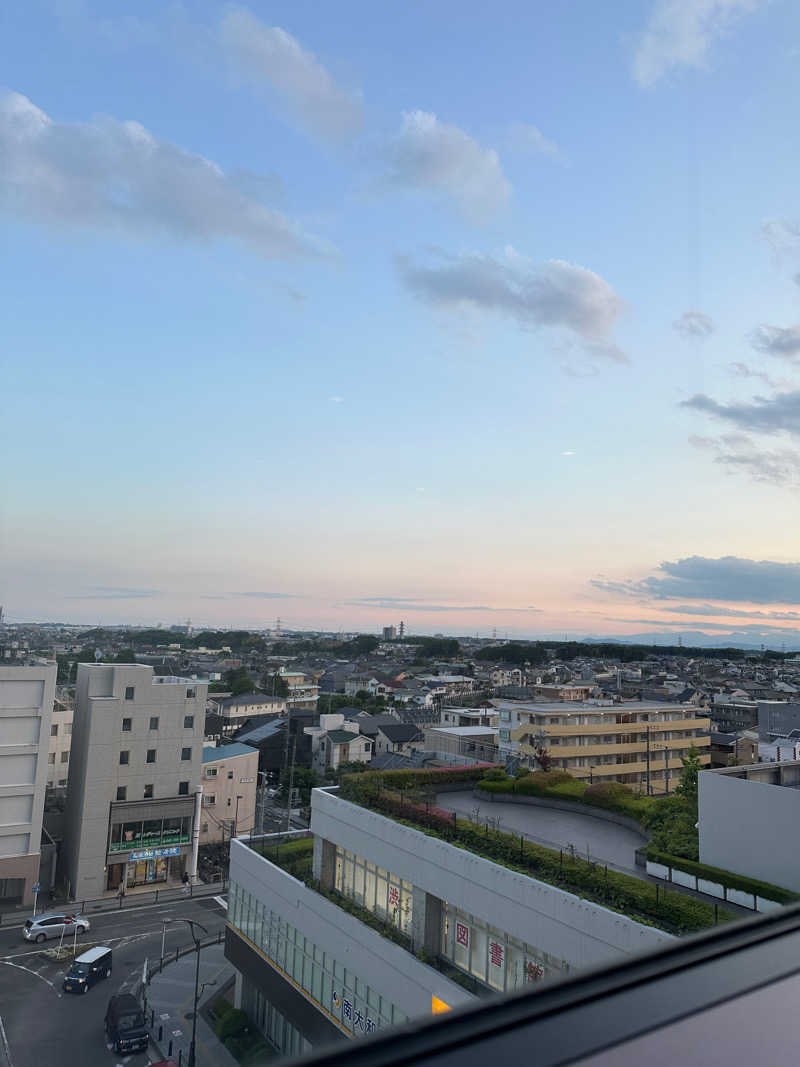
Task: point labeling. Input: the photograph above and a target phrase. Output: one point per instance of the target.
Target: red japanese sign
(462, 935)
(496, 953)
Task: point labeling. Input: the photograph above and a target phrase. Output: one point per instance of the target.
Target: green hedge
(232, 1023)
(726, 878)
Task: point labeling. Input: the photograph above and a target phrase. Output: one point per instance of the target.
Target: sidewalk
(170, 997)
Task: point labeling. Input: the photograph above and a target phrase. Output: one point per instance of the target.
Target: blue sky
(475, 317)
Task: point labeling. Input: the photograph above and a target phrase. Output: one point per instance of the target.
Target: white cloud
(269, 54)
(113, 175)
(694, 324)
(777, 341)
(569, 452)
(527, 138)
(679, 33)
(554, 293)
(433, 156)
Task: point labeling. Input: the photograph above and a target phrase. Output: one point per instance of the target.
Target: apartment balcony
(610, 749)
(612, 729)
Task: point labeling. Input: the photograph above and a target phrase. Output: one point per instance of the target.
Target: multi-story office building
(135, 764)
(639, 743)
(311, 971)
(26, 708)
(230, 781)
(60, 742)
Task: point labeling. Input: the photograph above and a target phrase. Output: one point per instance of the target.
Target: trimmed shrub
(222, 1007)
(496, 774)
(232, 1024)
(726, 878)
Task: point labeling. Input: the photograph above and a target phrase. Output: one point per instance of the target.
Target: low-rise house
(337, 740)
(396, 737)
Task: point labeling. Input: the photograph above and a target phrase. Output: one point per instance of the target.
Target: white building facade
(26, 708)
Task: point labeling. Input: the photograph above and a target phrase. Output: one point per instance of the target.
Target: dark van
(87, 969)
(125, 1025)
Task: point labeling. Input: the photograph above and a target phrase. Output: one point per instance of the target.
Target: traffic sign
(36, 887)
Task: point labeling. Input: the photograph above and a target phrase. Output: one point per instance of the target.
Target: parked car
(125, 1027)
(88, 969)
(51, 924)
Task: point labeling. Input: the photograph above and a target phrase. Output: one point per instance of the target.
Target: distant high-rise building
(389, 633)
(402, 630)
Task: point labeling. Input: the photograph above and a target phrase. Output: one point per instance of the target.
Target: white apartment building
(135, 765)
(311, 973)
(60, 742)
(26, 708)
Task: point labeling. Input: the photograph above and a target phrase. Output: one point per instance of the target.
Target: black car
(125, 1025)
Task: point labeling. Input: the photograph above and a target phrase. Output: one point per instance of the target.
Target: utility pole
(649, 789)
(291, 785)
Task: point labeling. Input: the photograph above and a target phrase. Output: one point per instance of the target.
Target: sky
(485, 318)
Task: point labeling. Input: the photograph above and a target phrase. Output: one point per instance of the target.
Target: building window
(186, 754)
(204, 827)
(183, 789)
(122, 792)
(51, 758)
(229, 801)
(62, 781)
(153, 722)
(188, 722)
(211, 799)
(151, 755)
(54, 730)
(67, 728)
(148, 792)
(129, 692)
(65, 756)
(191, 694)
(124, 756)
(126, 725)
(230, 775)
(211, 772)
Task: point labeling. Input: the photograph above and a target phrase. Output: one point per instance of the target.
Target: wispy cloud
(736, 613)
(739, 454)
(403, 604)
(694, 324)
(270, 55)
(269, 596)
(680, 33)
(777, 341)
(554, 293)
(728, 578)
(116, 176)
(431, 156)
(779, 413)
(106, 592)
(782, 234)
(523, 137)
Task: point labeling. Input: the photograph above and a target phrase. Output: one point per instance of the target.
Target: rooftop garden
(406, 797)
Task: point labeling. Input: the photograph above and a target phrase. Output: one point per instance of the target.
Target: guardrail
(119, 903)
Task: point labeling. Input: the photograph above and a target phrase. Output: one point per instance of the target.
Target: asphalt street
(41, 1025)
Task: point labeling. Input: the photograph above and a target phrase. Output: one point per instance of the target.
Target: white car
(42, 927)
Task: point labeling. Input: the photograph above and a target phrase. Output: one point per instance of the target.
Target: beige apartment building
(638, 743)
(26, 707)
(60, 741)
(135, 766)
(230, 780)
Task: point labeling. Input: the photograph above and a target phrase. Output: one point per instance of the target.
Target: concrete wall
(750, 828)
(95, 771)
(395, 973)
(26, 709)
(225, 790)
(565, 805)
(565, 926)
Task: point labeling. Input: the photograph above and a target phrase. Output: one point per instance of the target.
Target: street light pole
(192, 923)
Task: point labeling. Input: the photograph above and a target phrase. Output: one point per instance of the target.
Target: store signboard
(245, 780)
(153, 853)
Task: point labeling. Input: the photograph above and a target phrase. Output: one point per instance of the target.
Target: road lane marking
(19, 967)
(222, 902)
(4, 1039)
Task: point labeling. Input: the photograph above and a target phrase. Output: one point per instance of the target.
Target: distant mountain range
(784, 640)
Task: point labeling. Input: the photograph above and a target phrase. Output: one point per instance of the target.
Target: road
(605, 842)
(42, 1025)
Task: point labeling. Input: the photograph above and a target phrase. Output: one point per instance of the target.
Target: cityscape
(399, 586)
